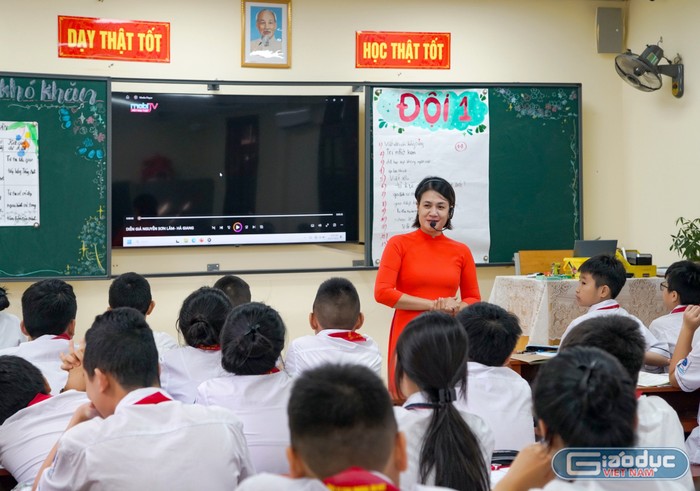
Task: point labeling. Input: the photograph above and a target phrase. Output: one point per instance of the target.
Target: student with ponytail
(446, 446)
(583, 397)
(254, 388)
(200, 321)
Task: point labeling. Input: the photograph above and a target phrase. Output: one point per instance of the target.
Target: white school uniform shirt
(667, 328)
(44, 353)
(183, 369)
(27, 437)
(311, 351)
(414, 424)
(10, 331)
(688, 378)
(612, 307)
(268, 482)
(164, 342)
(658, 426)
(153, 447)
(260, 402)
(503, 399)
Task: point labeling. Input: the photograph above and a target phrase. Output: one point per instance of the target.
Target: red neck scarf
(609, 307)
(680, 308)
(348, 336)
(38, 398)
(62, 336)
(213, 347)
(155, 398)
(358, 479)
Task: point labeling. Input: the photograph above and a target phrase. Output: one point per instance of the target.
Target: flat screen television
(200, 170)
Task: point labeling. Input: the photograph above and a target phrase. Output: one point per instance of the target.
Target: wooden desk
(546, 307)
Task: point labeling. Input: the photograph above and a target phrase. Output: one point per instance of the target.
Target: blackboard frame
(577, 231)
(81, 250)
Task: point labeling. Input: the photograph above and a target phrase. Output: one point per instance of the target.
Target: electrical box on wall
(608, 24)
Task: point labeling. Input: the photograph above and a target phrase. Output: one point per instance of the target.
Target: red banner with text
(375, 49)
(110, 39)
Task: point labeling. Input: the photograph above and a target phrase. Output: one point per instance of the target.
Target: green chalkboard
(511, 150)
(53, 177)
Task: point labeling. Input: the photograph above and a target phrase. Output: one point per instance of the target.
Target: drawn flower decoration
(64, 118)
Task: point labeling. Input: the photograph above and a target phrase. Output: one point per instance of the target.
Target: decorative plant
(686, 242)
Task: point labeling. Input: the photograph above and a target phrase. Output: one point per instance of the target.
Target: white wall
(626, 134)
(660, 132)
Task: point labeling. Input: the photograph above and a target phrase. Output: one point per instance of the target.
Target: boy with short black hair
(343, 434)
(31, 420)
(657, 422)
(681, 288)
(497, 394)
(133, 290)
(335, 319)
(130, 420)
(48, 319)
(601, 279)
(235, 288)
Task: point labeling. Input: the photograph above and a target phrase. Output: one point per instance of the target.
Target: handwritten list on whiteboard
(419, 133)
(19, 173)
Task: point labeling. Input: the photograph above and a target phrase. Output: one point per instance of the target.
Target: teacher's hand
(448, 305)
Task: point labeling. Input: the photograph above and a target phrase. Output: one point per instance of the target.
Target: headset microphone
(433, 225)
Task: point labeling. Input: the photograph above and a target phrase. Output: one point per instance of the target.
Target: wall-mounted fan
(643, 72)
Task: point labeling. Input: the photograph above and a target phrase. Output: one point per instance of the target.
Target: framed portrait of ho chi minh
(266, 34)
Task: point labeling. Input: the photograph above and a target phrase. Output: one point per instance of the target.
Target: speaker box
(608, 24)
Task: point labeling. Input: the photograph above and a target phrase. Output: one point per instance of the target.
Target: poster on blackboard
(19, 174)
(53, 177)
(433, 132)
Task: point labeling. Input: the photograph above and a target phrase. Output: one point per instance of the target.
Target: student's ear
(150, 307)
(24, 329)
(313, 322)
(101, 381)
(70, 330)
(400, 456)
(47, 386)
(675, 298)
(360, 321)
(297, 468)
(604, 291)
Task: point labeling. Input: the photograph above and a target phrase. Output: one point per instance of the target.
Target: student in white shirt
(31, 420)
(600, 281)
(497, 394)
(48, 319)
(335, 319)
(201, 318)
(684, 371)
(131, 423)
(446, 446)
(254, 388)
(657, 422)
(343, 435)
(10, 332)
(133, 290)
(681, 288)
(583, 397)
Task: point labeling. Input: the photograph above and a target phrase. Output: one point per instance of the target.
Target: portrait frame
(259, 47)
